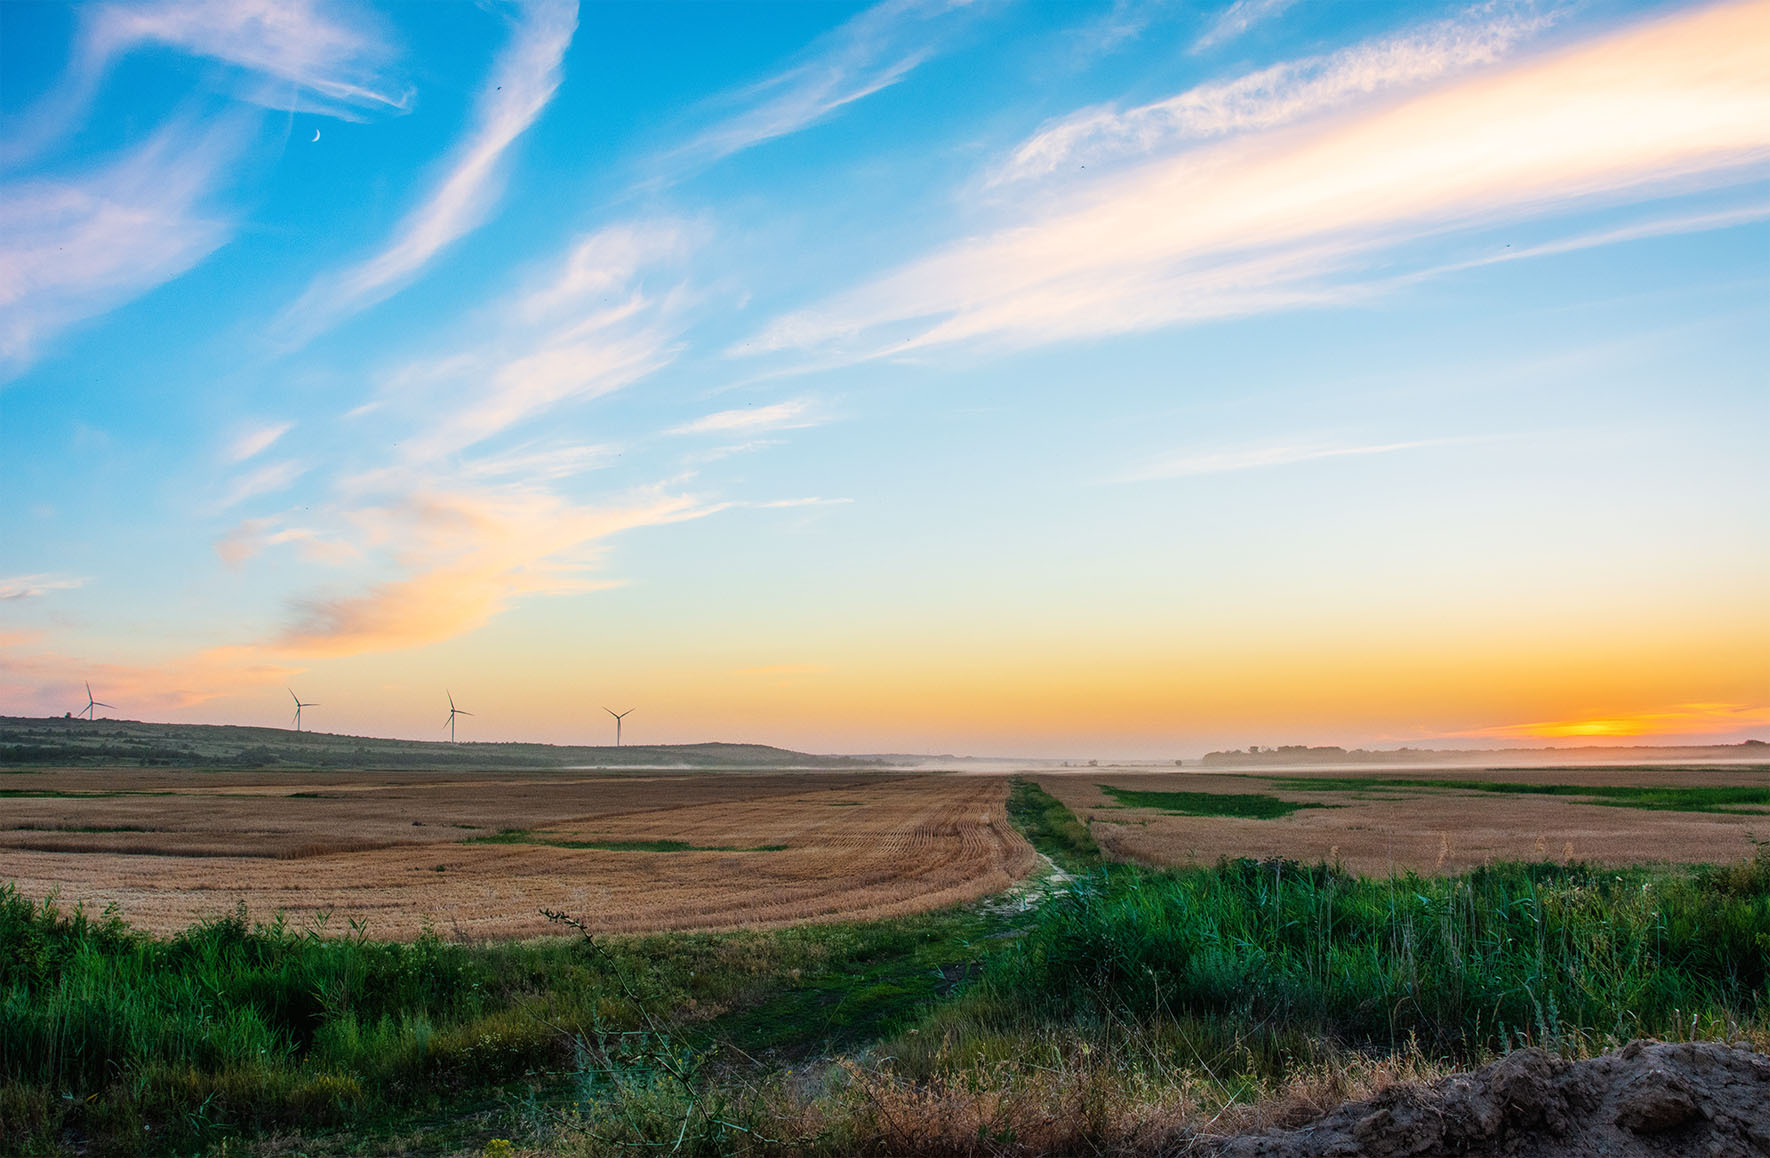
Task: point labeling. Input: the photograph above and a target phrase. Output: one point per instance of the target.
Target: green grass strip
(1736, 799)
(1245, 805)
(1052, 828)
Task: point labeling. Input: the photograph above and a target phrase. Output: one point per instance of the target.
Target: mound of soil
(1649, 1098)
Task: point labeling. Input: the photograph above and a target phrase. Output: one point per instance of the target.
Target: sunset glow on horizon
(1126, 380)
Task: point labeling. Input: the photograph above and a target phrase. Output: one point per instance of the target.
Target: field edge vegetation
(1127, 1013)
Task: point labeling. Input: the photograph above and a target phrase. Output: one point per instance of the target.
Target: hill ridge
(63, 741)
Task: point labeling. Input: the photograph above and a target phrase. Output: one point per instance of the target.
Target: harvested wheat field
(1425, 820)
(478, 856)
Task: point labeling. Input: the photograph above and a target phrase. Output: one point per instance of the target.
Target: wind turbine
(298, 706)
(92, 703)
(619, 716)
(453, 712)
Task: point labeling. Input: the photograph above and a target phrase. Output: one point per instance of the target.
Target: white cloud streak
(586, 328)
(255, 440)
(522, 83)
(296, 54)
(330, 52)
(1276, 219)
(252, 536)
(866, 55)
(539, 463)
(1237, 19)
(34, 586)
(465, 533)
(72, 248)
(267, 479)
(791, 415)
(1270, 97)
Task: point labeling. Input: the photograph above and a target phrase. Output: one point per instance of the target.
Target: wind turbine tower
(298, 706)
(453, 712)
(92, 703)
(619, 716)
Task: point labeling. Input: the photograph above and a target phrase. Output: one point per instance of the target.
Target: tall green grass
(1554, 955)
(128, 1043)
(125, 1043)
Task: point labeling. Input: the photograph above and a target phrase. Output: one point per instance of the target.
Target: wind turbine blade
(612, 712)
(451, 696)
(461, 713)
(292, 695)
(102, 704)
(88, 689)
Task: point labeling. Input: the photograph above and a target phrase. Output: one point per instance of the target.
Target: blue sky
(1124, 379)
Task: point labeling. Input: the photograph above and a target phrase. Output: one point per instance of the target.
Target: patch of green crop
(1245, 805)
(1052, 828)
(53, 794)
(1733, 798)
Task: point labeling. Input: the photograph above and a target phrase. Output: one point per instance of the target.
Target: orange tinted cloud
(470, 554)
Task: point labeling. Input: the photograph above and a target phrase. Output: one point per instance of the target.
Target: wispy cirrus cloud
(539, 462)
(297, 54)
(868, 54)
(521, 85)
(1274, 96)
(467, 531)
(1260, 457)
(1293, 216)
(266, 479)
(330, 56)
(255, 440)
(603, 318)
(73, 247)
(251, 536)
(35, 586)
(790, 415)
(1237, 19)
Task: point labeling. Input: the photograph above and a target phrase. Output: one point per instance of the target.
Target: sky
(1114, 380)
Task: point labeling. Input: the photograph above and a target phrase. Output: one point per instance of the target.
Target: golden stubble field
(1373, 829)
(477, 855)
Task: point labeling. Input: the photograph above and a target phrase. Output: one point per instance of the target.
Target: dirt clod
(1649, 1098)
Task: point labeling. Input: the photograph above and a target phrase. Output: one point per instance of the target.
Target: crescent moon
(316, 136)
